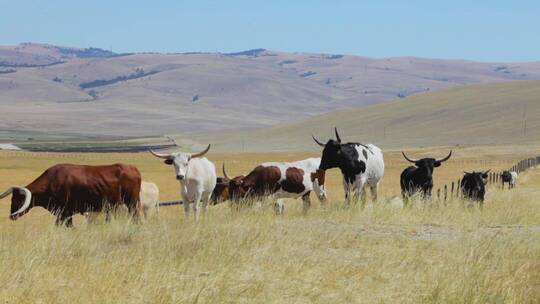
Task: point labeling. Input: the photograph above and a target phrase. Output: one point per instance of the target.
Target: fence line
(494, 178)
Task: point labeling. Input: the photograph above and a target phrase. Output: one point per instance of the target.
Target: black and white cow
(473, 185)
(281, 180)
(360, 165)
(419, 177)
(509, 177)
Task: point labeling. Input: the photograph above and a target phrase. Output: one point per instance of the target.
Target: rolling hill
(98, 92)
(481, 114)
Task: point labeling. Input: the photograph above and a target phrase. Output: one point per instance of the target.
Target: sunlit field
(431, 252)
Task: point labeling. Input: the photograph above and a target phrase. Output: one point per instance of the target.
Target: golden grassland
(427, 253)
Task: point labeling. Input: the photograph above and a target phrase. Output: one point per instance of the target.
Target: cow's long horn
(7, 192)
(201, 153)
(337, 135)
(159, 154)
(486, 172)
(446, 158)
(318, 142)
(225, 173)
(27, 200)
(409, 159)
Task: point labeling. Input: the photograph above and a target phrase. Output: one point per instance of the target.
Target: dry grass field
(429, 253)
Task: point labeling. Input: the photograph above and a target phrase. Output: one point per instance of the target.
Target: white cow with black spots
(361, 165)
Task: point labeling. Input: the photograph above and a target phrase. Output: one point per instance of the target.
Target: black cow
(419, 178)
(360, 165)
(473, 186)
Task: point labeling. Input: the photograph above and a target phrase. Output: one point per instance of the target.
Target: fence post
(445, 192)
(438, 194)
(452, 191)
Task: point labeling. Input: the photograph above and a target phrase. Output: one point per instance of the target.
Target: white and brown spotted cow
(281, 180)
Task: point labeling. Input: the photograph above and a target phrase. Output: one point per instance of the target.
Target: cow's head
(180, 160)
(235, 188)
(338, 155)
(317, 178)
(221, 192)
(473, 183)
(480, 177)
(20, 201)
(428, 163)
(238, 189)
(332, 154)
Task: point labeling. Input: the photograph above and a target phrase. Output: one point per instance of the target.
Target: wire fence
(453, 190)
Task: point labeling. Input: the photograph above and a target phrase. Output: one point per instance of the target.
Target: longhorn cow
(419, 177)
(196, 175)
(67, 189)
(360, 165)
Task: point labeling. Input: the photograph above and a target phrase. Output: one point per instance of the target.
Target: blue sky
(480, 30)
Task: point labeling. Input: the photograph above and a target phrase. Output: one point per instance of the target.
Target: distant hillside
(39, 55)
(98, 92)
(464, 115)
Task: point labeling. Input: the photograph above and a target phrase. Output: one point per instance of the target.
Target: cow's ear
(437, 164)
(168, 161)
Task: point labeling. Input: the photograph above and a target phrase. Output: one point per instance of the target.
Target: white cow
(197, 177)
(149, 197)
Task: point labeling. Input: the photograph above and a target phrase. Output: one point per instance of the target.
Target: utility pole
(525, 120)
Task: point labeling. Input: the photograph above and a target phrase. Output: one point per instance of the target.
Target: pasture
(427, 253)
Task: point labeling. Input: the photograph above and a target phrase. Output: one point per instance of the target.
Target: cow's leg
(69, 221)
(374, 189)
(206, 201)
(360, 192)
(64, 218)
(197, 206)
(186, 204)
(132, 202)
(145, 212)
(363, 196)
(306, 203)
(405, 197)
(108, 210)
(91, 217)
(427, 192)
(280, 206)
(347, 191)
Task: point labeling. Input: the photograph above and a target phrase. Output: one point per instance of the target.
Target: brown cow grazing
(67, 189)
(281, 180)
(221, 191)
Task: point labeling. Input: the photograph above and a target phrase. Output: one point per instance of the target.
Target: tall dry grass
(429, 253)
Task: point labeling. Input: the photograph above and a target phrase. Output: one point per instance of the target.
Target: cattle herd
(66, 189)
